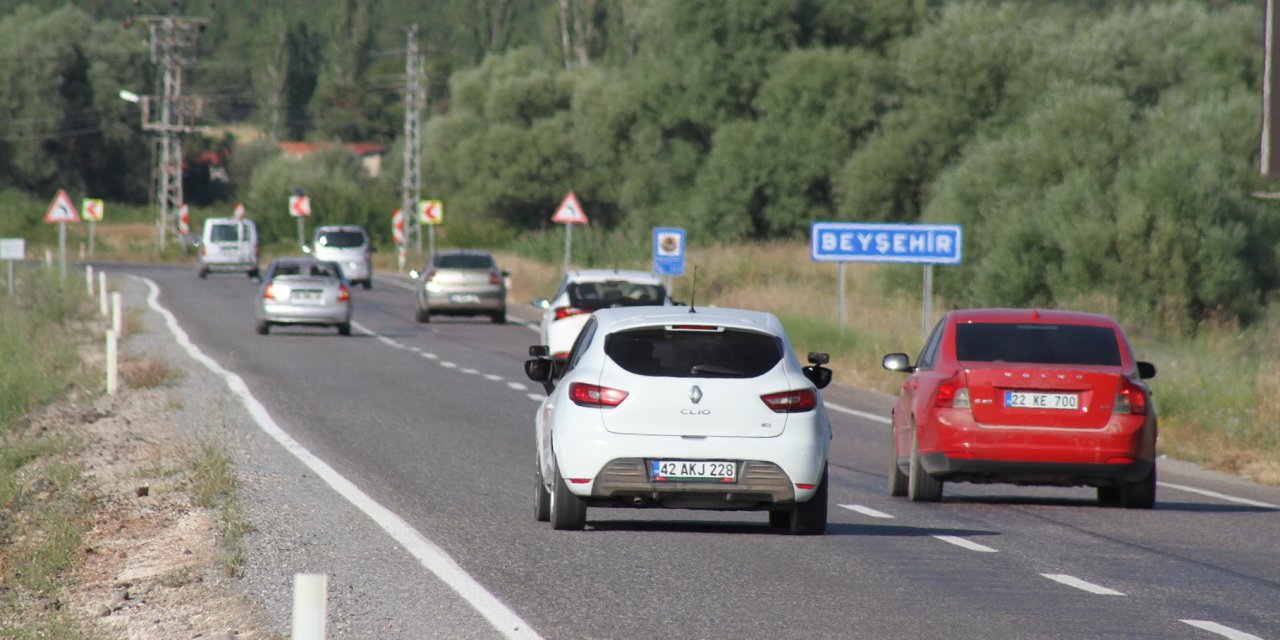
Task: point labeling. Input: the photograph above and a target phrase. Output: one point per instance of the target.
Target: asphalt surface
(405, 474)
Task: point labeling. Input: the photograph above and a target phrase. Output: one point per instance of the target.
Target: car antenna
(693, 290)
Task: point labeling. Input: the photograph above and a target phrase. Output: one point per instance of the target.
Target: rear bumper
(625, 482)
(297, 314)
(228, 266)
(465, 301)
(953, 469)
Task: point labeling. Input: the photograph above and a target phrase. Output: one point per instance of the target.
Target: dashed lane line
(1221, 629)
(866, 511)
(1072, 581)
(1220, 496)
(965, 543)
(854, 412)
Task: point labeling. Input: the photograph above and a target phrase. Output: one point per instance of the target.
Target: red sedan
(1025, 396)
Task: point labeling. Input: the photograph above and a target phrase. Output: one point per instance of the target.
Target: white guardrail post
(102, 292)
(113, 362)
(117, 321)
(88, 279)
(310, 591)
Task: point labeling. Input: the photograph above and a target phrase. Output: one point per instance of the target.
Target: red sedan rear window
(1037, 343)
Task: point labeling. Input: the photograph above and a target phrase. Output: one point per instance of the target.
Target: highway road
(400, 462)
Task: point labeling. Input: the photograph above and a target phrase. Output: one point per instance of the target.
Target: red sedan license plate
(693, 470)
(1031, 400)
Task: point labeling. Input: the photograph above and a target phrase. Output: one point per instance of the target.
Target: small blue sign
(876, 242)
(668, 251)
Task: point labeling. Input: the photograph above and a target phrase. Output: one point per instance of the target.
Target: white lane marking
(470, 372)
(383, 339)
(430, 356)
(1220, 629)
(1220, 496)
(517, 386)
(854, 412)
(448, 365)
(397, 282)
(866, 511)
(1072, 581)
(492, 378)
(965, 543)
(504, 620)
(535, 397)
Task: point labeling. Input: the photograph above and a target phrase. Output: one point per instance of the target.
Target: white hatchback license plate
(464, 298)
(695, 470)
(1031, 400)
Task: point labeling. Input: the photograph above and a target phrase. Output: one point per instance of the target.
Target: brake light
(565, 312)
(343, 294)
(796, 401)
(952, 394)
(1130, 399)
(204, 249)
(693, 327)
(590, 395)
(269, 293)
(494, 278)
(429, 276)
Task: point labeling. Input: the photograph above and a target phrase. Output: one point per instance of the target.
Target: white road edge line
(966, 544)
(854, 412)
(866, 511)
(1072, 581)
(1220, 496)
(1220, 629)
(432, 557)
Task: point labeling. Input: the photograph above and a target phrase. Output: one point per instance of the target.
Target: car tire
(810, 518)
(263, 327)
(203, 273)
(1109, 496)
(500, 317)
(344, 328)
(1140, 494)
(780, 518)
(541, 497)
(921, 487)
(255, 275)
(568, 512)
(368, 284)
(897, 479)
(424, 315)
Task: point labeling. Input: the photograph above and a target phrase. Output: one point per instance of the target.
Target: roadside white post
(113, 363)
(88, 279)
(11, 250)
(310, 591)
(102, 292)
(117, 322)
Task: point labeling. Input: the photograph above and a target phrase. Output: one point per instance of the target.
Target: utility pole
(173, 44)
(411, 186)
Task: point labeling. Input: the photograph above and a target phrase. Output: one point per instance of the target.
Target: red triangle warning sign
(61, 210)
(570, 212)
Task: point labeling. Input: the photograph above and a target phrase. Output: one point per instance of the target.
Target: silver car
(349, 246)
(461, 282)
(304, 291)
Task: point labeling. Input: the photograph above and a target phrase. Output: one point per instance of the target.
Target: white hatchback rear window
(699, 353)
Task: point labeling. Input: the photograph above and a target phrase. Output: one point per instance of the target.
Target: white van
(348, 245)
(227, 244)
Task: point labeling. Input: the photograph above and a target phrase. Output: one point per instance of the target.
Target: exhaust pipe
(638, 501)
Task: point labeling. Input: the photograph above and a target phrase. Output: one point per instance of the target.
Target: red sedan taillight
(796, 401)
(952, 393)
(565, 312)
(1130, 399)
(590, 395)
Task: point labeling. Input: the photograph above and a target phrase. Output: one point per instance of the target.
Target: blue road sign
(668, 251)
(885, 242)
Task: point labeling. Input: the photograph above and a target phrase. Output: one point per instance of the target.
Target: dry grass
(147, 373)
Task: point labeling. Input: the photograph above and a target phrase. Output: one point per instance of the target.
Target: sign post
(62, 211)
(431, 213)
(12, 249)
(569, 213)
(397, 236)
(926, 244)
(300, 208)
(91, 210)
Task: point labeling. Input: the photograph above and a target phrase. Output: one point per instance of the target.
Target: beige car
(461, 282)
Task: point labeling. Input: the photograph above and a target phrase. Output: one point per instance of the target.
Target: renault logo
(695, 394)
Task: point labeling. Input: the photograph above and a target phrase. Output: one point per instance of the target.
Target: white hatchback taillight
(796, 401)
(590, 395)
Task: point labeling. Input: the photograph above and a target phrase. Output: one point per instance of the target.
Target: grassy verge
(42, 507)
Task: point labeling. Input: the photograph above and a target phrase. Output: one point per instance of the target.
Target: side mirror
(541, 370)
(542, 303)
(539, 350)
(1146, 370)
(897, 362)
(413, 273)
(818, 375)
(506, 273)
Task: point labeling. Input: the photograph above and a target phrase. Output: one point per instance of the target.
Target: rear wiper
(716, 369)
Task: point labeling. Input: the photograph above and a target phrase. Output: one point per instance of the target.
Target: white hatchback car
(677, 408)
(585, 290)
